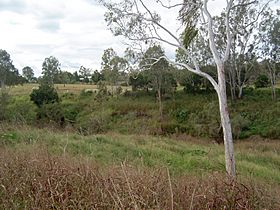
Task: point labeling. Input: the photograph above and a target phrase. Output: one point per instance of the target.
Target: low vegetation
(93, 111)
(93, 149)
(44, 168)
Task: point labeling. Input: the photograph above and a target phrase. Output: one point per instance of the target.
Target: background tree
(194, 83)
(139, 81)
(28, 73)
(135, 20)
(7, 69)
(158, 73)
(50, 70)
(85, 74)
(269, 46)
(111, 67)
(65, 77)
(97, 76)
(76, 76)
(242, 59)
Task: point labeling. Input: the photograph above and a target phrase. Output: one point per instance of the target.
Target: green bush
(94, 123)
(86, 93)
(46, 94)
(181, 115)
(261, 81)
(51, 113)
(71, 111)
(21, 109)
(4, 100)
(239, 124)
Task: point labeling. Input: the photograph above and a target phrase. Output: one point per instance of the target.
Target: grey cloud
(44, 49)
(48, 16)
(49, 25)
(49, 20)
(12, 5)
(70, 65)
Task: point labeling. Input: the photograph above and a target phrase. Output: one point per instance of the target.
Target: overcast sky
(74, 31)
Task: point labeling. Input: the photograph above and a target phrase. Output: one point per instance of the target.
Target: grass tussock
(35, 179)
(257, 158)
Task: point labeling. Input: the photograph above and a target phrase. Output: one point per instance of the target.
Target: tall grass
(256, 158)
(35, 179)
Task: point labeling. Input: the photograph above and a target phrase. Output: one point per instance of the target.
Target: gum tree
(28, 73)
(269, 49)
(135, 20)
(50, 70)
(7, 69)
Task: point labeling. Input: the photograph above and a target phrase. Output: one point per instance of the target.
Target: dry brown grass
(33, 179)
(26, 89)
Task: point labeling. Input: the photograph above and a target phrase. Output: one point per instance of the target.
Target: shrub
(119, 90)
(4, 100)
(261, 81)
(86, 92)
(239, 124)
(71, 111)
(46, 94)
(93, 124)
(21, 109)
(51, 113)
(181, 115)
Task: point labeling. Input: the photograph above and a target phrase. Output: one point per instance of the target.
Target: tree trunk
(225, 121)
(273, 92)
(240, 91)
(2, 85)
(272, 76)
(232, 83)
(160, 108)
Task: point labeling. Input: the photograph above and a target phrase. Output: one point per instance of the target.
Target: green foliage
(51, 113)
(96, 77)
(157, 71)
(194, 83)
(140, 81)
(119, 90)
(28, 73)
(4, 101)
(102, 91)
(189, 34)
(71, 112)
(47, 100)
(181, 115)
(86, 93)
(50, 70)
(137, 113)
(21, 109)
(85, 74)
(239, 125)
(112, 66)
(9, 75)
(65, 77)
(46, 94)
(94, 123)
(261, 81)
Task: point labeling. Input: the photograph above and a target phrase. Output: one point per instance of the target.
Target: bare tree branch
(229, 6)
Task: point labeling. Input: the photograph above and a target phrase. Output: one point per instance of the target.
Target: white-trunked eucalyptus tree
(136, 21)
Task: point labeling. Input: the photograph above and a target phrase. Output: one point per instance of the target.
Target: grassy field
(26, 89)
(44, 168)
(255, 158)
(111, 154)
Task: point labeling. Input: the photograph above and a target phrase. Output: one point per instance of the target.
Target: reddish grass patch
(34, 179)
